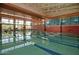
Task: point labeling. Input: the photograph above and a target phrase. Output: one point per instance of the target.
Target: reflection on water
(8, 40)
(19, 37)
(18, 46)
(28, 37)
(28, 33)
(41, 39)
(4, 41)
(45, 40)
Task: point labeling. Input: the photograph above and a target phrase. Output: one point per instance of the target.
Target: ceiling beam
(65, 15)
(19, 9)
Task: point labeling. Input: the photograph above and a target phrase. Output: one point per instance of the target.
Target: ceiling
(50, 9)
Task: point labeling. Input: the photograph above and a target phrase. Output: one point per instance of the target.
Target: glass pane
(19, 30)
(48, 22)
(7, 30)
(20, 22)
(4, 20)
(28, 22)
(66, 21)
(56, 21)
(11, 21)
(53, 22)
(17, 22)
(74, 20)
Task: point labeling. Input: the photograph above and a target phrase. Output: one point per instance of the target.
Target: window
(28, 31)
(53, 22)
(19, 29)
(7, 20)
(56, 21)
(50, 22)
(28, 23)
(47, 22)
(74, 20)
(7, 30)
(19, 21)
(66, 21)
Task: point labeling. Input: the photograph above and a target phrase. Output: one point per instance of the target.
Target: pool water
(43, 44)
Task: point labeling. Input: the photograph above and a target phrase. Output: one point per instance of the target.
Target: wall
(69, 25)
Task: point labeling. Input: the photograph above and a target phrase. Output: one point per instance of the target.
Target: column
(0, 35)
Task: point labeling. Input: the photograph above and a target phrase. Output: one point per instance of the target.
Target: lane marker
(47, 50)
(18, 46)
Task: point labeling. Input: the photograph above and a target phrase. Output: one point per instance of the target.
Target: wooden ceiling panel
(44, 10)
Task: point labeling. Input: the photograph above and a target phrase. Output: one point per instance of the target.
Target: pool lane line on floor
(50, 40)
(77, 46)
(61, 43)
(17, 46)
(47, 50)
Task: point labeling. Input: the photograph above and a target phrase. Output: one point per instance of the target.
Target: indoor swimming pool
(34, 34)
(43, 44)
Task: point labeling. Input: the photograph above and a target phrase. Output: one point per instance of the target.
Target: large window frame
(7, 30)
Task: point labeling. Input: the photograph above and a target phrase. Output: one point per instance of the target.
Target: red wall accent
(54, 28)
(65, 29)
(71, 29)
(38, 27)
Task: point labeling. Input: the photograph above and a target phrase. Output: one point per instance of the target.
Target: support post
(0, 34)
(14, 30)
(24, 31)
(61, 29)
(44, 27)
